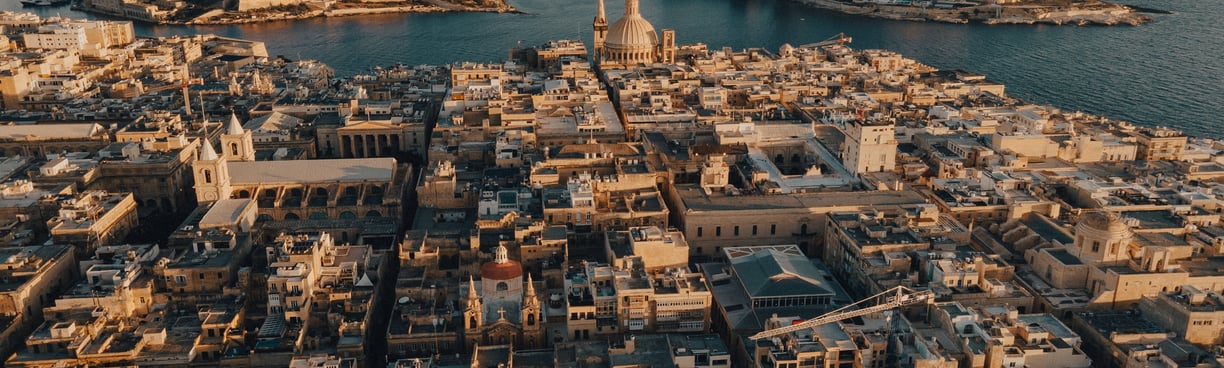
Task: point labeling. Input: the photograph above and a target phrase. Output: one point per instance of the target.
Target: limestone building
(1194, 314)
(32, 276)
(93, 218)
(357, 198)
(870, 147)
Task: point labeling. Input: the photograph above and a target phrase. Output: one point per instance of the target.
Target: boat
(43, 2)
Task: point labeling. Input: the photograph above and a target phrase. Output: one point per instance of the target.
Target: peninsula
(256, 11)
(1058, 12)
(193, 202)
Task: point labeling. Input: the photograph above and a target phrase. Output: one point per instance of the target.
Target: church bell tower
(236, 142)
(473, 316)
(212, 180)
(601, 30)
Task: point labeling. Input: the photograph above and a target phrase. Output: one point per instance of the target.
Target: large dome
(501, 268)
(501, 271)
(631, 40)
(1105, 222)
(632, 33)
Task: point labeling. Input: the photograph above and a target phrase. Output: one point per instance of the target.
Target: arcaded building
(353, 198)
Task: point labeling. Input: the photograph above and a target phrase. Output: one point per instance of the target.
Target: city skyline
(636, 201)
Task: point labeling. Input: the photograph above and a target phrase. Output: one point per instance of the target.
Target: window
(1096, 246)
(754, 229)
(773, 229)
(181, 279)
(699, 230)
(502, 286)
(736, 230)
(718, 231)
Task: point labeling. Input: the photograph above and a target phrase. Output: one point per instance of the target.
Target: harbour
(1129, 73)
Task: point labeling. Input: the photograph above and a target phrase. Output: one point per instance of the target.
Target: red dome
(501, 271)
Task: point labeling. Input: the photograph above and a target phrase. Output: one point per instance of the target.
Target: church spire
(530, 287)
(472, 288)
(208, 153)
(234, 127)
(601, 30)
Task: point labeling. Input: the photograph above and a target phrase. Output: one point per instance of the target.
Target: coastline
(1092, 13)
(223, 17)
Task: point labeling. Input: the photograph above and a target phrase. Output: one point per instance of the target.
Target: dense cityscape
(191, 201)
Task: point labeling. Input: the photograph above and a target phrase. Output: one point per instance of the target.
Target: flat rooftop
(695, 198)
(1121, 322)
(312, 171)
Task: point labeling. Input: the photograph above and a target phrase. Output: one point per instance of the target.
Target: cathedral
(502, 311)
(631, 40)
(347, 197)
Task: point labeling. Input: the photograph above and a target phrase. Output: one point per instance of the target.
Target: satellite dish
(404, 300)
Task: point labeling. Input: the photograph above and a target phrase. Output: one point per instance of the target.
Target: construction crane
(896, 297)
(837, 39)
(187, 82)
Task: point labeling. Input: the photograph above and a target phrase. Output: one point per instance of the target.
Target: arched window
(244, 194)
(502, 286)
(292, 216)
(472, 322)
(531, 319)
(234, 148)
(348, 215)
(373, 214)
(318, 216)
(208, 176)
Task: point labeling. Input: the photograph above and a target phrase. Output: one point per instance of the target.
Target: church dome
(1104, 222)
(632, 33)
(501, 268)
(631, 40)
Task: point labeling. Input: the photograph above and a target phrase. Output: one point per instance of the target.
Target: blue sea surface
(1168, 73)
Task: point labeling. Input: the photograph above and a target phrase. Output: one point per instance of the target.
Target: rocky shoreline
(222, 17)
(1081, 14)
